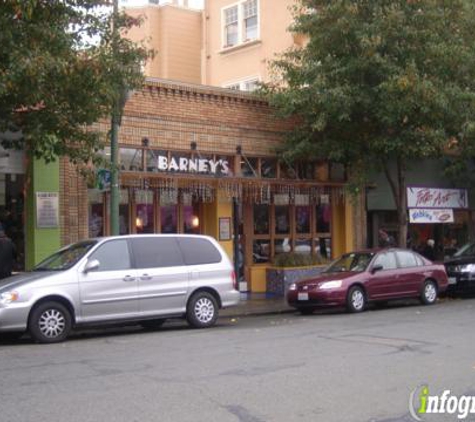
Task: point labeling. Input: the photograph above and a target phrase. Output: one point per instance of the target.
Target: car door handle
(145, 277)
(128, 278)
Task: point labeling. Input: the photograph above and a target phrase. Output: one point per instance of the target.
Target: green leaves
(379, 80)
(59, 74)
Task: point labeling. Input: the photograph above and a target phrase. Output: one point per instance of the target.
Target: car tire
(306, 311)
(429, 293)
(152, 324)
(356, 300)
(11, 335)
(202, 310)
(49, 322)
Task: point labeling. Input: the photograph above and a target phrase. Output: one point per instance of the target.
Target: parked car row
(461, 269)
(376, 275)
(143, 278)
(149, 278)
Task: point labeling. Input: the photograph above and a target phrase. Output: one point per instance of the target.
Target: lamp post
(115, 123)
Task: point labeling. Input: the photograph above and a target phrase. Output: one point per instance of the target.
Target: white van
(143, 278)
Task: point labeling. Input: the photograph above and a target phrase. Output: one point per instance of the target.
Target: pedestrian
(7, 254)
(429, 250)
(384, 239)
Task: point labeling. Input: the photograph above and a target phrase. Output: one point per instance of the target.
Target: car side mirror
(91, 265)
(376, 268)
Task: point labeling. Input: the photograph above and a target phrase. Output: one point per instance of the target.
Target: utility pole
(115, 122)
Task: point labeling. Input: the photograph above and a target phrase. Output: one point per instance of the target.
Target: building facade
(174, 32)
(230, 43)
(197, 159)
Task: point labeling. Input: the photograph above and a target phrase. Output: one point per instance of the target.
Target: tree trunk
(398, 190)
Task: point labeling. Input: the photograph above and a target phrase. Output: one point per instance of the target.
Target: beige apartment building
(229, 43)
(174, 32)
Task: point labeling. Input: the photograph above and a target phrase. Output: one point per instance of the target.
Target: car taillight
(235, 283)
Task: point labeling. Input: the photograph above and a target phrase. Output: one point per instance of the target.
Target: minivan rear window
(198, 251)
(153, 252)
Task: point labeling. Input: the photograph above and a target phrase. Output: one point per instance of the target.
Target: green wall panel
(40, 242)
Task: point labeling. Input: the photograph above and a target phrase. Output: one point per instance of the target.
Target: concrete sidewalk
(257, 304)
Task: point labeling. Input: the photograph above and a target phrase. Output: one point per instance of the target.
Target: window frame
(241, 27)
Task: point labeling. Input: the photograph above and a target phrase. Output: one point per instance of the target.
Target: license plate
(303, 296)
(452, 280)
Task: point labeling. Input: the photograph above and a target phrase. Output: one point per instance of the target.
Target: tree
(379, 82)
(61, 68)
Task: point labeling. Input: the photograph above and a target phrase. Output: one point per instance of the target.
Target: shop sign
(193, 165)
(436, 198)
(103, 181)
(47, 210)
(425, 215)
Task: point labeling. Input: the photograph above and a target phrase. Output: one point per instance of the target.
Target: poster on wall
(225, 228)
(425, 215)
(47, 210)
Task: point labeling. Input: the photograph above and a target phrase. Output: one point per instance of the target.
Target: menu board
(47, 210)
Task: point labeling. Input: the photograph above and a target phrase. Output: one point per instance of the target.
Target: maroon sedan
(357, 278)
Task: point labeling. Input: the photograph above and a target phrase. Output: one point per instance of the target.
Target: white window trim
(242, 83)
(240, 40)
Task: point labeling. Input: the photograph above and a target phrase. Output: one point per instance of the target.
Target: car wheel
(306, 311)
(356, 300)
(152, 324)
(49, 322)
(202, 310)
(429, 293)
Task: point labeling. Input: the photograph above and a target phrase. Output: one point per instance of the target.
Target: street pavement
(271, 365)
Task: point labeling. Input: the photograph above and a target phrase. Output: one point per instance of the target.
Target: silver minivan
(143, 278)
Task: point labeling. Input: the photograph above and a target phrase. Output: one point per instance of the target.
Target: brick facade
(171, 116)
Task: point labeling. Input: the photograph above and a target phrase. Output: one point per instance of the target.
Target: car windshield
(356, 261)
(466, 250)
(65, 258)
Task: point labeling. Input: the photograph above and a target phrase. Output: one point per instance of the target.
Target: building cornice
(203, 90)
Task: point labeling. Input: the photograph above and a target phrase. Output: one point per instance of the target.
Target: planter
(280, 278)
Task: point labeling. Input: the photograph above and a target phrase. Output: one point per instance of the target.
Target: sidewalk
(257, 304)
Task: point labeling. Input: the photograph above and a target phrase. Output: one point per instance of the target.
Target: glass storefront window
(124, 227)
(303, 246)
(306, 170)
(261, 219)
(225, 162)
(169, 211)
(337, 172)
(323, 247)
(151, 159)
(282, 220)
(261, 251)
(191, 216)
(249, 166)
(96, 213)
(144, 211)
(282, 246)
(268, 168)
(130, 159)
(323, 217)
(287, 171)
(302, 218)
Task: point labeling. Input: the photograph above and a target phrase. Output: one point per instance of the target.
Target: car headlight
(293, 286)
(467, 268)
(334, 284)
(9, 297)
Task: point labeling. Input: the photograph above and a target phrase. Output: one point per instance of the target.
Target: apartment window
(231, 26)
(247, 85)
(250, 20)
(240, 23)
